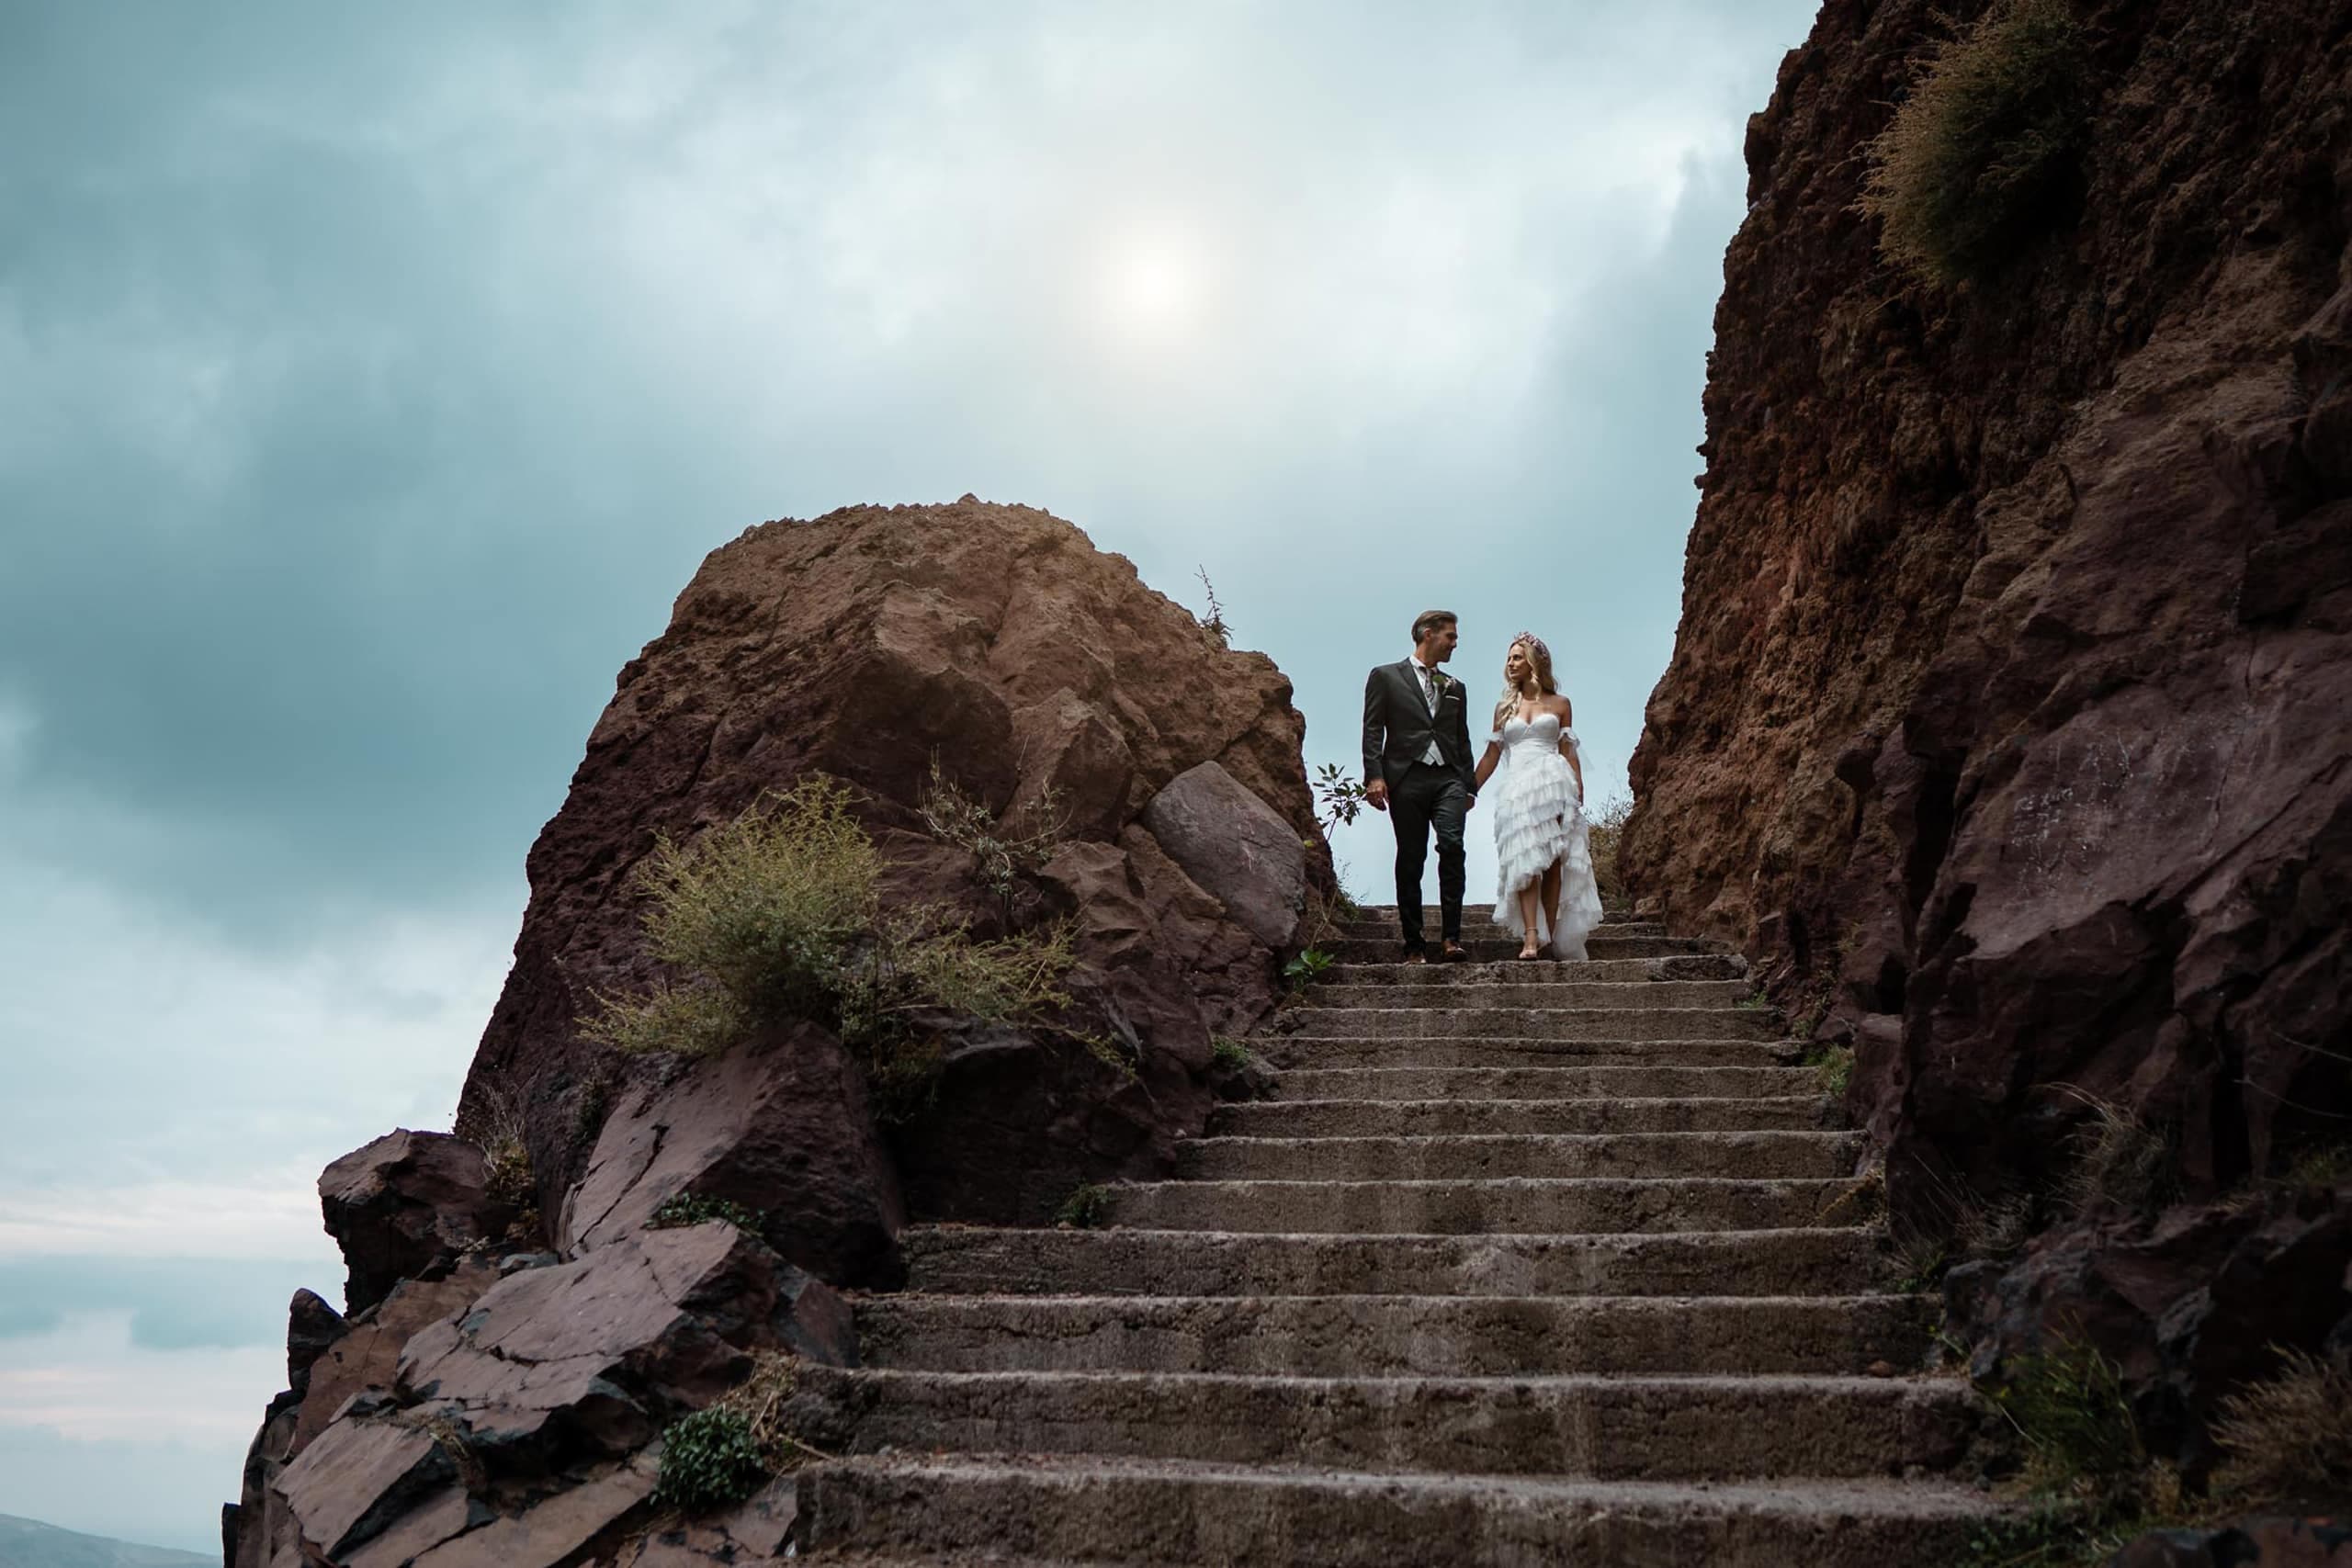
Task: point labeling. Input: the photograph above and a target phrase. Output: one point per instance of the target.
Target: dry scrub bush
(778, 915)
(2289, 1437)
(1607, 827)
(2120, 1161)
(1980, 154)
(1004, 853)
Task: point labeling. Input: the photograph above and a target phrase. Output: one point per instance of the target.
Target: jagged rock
(1037, 671)
(366, 1359)
(2252, 1543)
(779, 1125)
(358, 1478)
(311, 1326)
(753, 1531)
(590, 1358)
(405, 1207)
(2188, 1307)
(554, 1529)
(1237, 847)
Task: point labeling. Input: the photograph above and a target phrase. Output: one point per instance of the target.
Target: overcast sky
(372, 379)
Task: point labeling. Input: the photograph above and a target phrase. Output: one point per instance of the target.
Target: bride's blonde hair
(1540, 657)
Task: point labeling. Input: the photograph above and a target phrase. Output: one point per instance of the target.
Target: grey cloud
(175, 1303)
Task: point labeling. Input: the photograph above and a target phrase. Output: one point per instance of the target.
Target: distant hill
(27, 1543)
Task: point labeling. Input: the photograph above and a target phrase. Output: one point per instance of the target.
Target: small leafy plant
(1308, 968)
(1340, 797)
(1833, 1067)
(1213, 622)
(709, 1459)
(1005, 852)
(1231, 1054)
(1085, 1208)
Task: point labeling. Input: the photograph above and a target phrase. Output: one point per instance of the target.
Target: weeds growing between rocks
(1086, 1209)
(1004, 853)
(778, 915)
(2120, 1161)
(1231, 1054)
(2290, 1436)
(696, 1209)
(1606, 830)
(1980, 154)
(726, 1452)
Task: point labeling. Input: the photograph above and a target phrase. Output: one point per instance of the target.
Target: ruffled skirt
(1539, 821)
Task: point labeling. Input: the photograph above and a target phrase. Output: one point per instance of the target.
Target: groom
(1417, 768)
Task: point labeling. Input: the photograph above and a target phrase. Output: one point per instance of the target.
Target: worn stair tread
(1311, 1051)
(1647, 1426)
(1133, 1261)
(1760, 1155)
(1316, 1335)
(1549, 1205)
(1646, 1081)
(1586, 1114)
(1104, 1510)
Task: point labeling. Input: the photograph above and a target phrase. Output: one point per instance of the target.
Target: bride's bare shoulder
(1560, 704)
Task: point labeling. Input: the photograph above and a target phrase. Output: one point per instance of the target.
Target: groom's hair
(1429, 621)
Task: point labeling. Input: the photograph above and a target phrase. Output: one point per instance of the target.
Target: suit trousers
(1428, 797)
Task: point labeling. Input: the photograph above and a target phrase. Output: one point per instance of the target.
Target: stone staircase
(1523, 1264)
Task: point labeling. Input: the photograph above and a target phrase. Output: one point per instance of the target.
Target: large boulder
(406, 1207)
(588, 1359)
(779, 1126)
(1049, 684)
(1236, 846)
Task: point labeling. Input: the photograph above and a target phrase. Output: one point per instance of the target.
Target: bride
(1547, 896)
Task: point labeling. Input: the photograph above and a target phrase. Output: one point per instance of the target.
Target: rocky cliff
(2009, 716)
(1030, 738)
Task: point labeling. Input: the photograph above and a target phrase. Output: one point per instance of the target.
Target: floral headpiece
(1543, 651)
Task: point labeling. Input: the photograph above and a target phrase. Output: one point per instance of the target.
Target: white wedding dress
(1539, 818)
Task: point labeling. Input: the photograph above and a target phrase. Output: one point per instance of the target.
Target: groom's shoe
(1417, 955)
(1455, 954)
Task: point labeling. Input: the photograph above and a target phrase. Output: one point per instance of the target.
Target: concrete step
(1388, 947)
(1621, 1022)
(987, 1260)
(1319, 1051)
(1644, 1080)
(1628, 1427)
(1545, 994)
(1429, 1118)
(1476, 921)
(1515, 1206)
(1677, 966)
(1171, 1511)
(1386, 1335)
(1756, 1155)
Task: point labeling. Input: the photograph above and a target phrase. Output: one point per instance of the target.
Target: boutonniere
(1440, 680)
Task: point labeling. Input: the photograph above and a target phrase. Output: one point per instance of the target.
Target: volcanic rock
(404, 1207)
(1047, 684)
(2251, 1543)
(1234, 845)
(2006, 724)
(779, 1125)
(590, 1358)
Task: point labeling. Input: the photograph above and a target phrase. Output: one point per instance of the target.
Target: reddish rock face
(406, 1207)
(2009, 713)
(866, 644)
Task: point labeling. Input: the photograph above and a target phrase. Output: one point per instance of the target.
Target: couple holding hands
(1417, 768)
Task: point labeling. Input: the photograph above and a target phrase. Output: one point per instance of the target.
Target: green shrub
(709, 1459)
(1833, 1067)
(696, 1208)
(1980, 154)
(1231, 1054)
(778, 915)
(2068, 1407)
(1086, 1208)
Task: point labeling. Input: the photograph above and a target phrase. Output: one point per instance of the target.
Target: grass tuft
(1086, 1209)
(696, 1209)
(2290, 1436)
